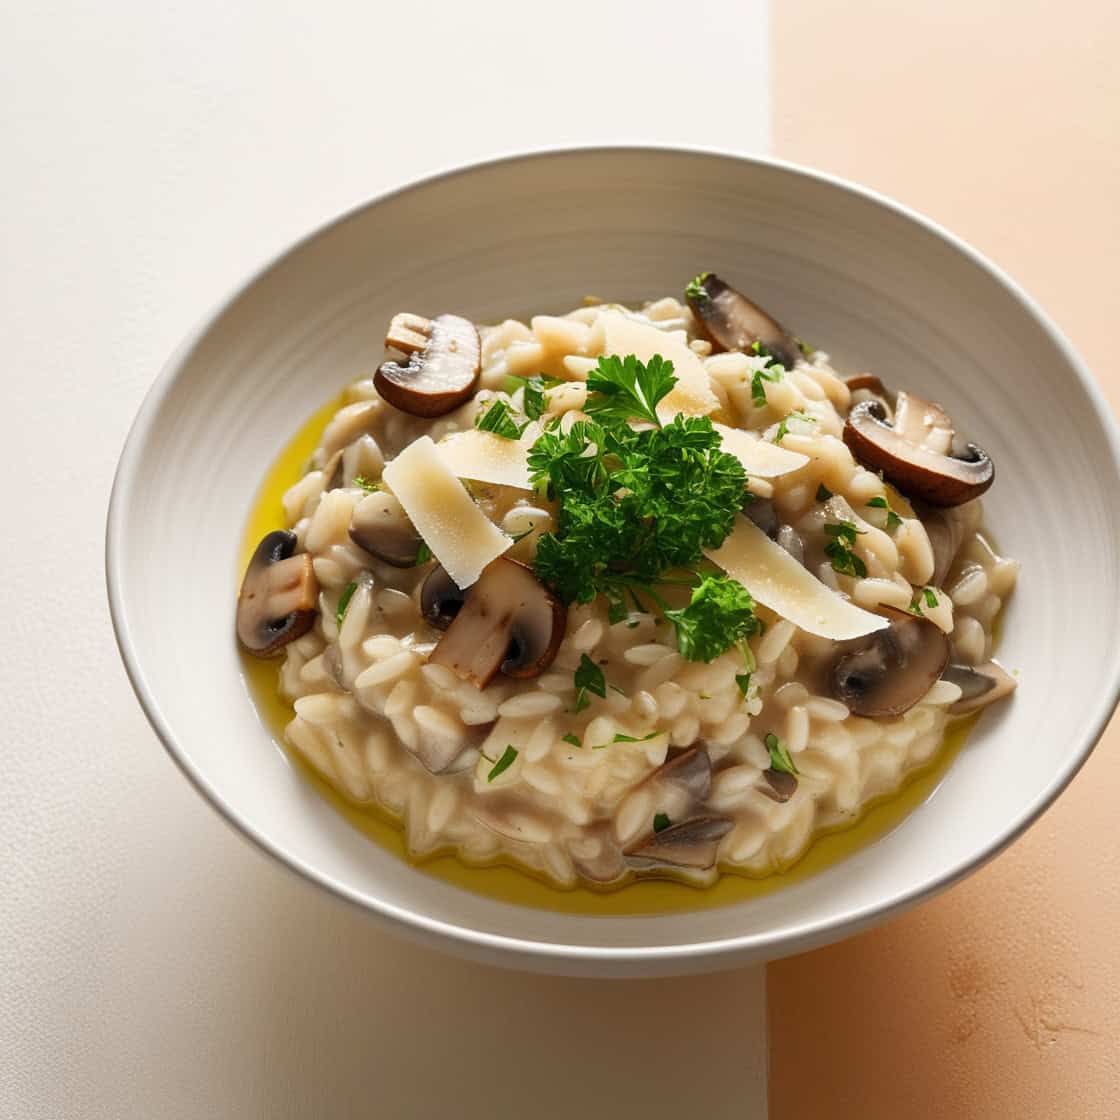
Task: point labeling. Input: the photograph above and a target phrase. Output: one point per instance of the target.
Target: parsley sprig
(639, 505)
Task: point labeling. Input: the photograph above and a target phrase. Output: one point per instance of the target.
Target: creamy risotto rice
(438, 672)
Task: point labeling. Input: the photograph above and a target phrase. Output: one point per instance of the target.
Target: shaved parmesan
(779, 582)
(485, 457)
(758, 456)
(692, 393)
(462, 538)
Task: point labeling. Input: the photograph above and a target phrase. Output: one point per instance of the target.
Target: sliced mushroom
(691, 770)
(279, 595)
(892, 669)
(510, 621)
(441, 598)
(979, 686)
(762, 512)
(693, 843)
(867, 387)
(445, 357)
(780, 785)
(732, 322)
(908, 453)
(947, 530)
(380, 525)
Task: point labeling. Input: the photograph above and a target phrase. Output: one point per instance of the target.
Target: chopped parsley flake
(573, 739)
(823, 493)
(344, 601)
(503, 763)
(588, 678)
(783, 426)
(780, 758)
(930, 597)
(758, 389)
(893, 520)
(423, 554)
(660, 822)
(364, 484)
(839, 549)
(499, 419)
(695, 290)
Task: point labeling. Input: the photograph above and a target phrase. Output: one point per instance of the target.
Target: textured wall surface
(151, 964)
(999, 998)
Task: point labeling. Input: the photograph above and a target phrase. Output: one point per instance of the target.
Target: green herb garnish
(930, 597)
(344, 602)
(620, 738)
(893, 520)
(498, 418)
(839, 549)
(364, 484)
(823, 493)
(423, 554)
(588, 678)
(573, 739)
(660, 822)
(719, 614)
(758, 390)
(780, 758)
(695, 290)
(783, 426)
(503, 763)
(743, 680)
(627, 389)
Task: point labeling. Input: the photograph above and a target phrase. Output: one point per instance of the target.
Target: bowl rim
(517, 951)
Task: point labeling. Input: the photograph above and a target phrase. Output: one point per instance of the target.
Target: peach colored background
(998, 999)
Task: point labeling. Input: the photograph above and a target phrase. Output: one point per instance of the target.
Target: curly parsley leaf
(719, 614)
(839, 549)
(499, 419)
(626, 389)
(780, 758)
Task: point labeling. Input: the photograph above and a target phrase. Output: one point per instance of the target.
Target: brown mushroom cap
(693, 843)
(947, 530)
(980, 686)
(279, 595)
(509, 621)
(892, 669)
(445, 359)
(380, 525)
(914, 465)
(732, 322)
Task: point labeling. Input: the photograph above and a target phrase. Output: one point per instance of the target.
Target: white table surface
(151, 963)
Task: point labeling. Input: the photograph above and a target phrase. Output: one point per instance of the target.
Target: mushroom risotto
(624, 593)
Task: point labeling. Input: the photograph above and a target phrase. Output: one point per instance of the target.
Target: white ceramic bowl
(878, 286)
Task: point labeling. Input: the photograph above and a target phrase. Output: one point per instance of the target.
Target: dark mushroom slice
(733, 322)
(380, 525)
(693, 843)
(445, 358)
(691, 770)
(892, 669)
(279, 595)
(762, 512)
(907, 452)
(947, 530)
(441, 598)
(509, 622)
(980, 686)
(780, 785)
